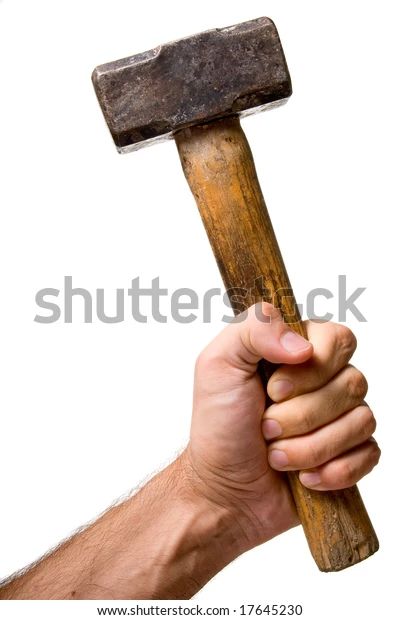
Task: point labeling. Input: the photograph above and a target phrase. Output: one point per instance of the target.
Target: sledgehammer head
(228, 71)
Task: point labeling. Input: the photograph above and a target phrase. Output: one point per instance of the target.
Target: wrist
(235, 526)
(219, 524)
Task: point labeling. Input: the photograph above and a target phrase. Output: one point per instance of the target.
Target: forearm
(166, 542)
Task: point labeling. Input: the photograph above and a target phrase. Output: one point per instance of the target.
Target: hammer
(195, 90)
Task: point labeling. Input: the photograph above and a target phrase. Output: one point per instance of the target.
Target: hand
(318, 423)
(225, 493)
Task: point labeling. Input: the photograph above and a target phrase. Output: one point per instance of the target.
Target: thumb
(259, 333)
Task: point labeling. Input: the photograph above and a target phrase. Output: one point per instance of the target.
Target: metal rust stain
(214, 74)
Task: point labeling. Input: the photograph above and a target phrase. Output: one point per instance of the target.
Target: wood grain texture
(219, 167)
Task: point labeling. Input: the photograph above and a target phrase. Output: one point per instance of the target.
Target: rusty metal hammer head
(229, 71)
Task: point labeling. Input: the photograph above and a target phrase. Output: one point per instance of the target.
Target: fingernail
(278, 459)
(292, 342)
(280, 389)
(271, 429)
(310, 479)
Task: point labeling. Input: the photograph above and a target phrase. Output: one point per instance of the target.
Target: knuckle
(356, 383)
(319, 377)
(201, 361)
(268, 307)
(315, 456)
(368, 422)
(265, 309)
(307, 423)
(206, 361)
(345, 340)
(346, 474)
(375, 453)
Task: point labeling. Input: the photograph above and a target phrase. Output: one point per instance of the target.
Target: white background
(89, 411)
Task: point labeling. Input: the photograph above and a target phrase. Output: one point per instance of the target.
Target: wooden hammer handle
(219, 167)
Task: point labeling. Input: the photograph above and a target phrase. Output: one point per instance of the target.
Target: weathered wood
(219, 167)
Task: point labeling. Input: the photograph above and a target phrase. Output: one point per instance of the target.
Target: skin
(226, 492)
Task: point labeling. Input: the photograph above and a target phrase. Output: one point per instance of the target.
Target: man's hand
(225, 493)
(318, 421)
